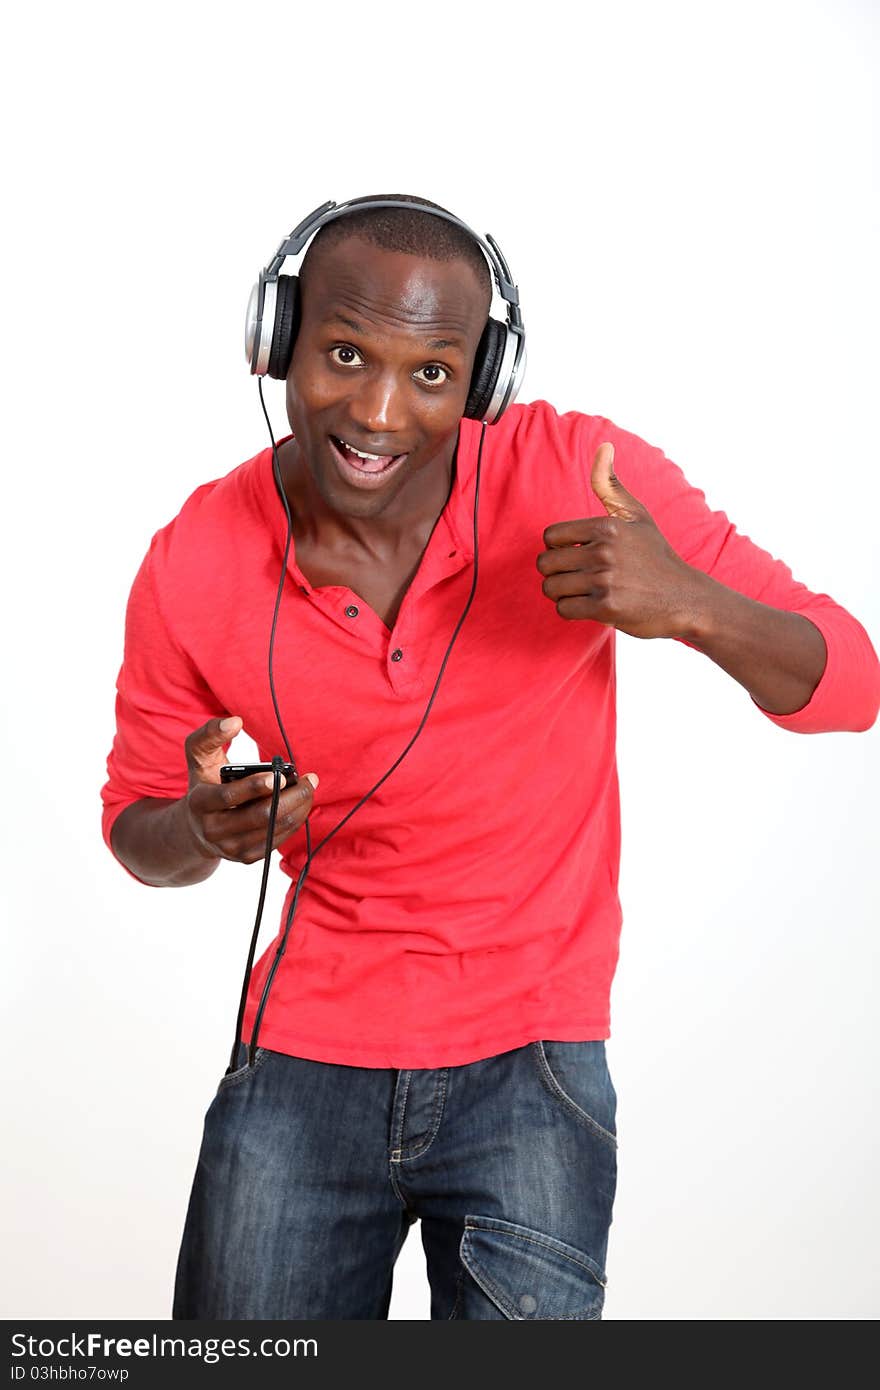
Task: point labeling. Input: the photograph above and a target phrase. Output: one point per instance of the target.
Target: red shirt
(471, 905)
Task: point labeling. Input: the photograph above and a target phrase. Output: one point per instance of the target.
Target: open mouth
(355, 466)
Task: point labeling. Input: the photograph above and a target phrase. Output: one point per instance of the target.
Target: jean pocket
(234, 1078)
(527, 1274)
(576, 1074)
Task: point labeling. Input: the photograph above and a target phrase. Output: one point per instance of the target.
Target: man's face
(392, 380)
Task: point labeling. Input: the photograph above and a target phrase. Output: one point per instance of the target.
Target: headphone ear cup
(285, 327)
(487, 364)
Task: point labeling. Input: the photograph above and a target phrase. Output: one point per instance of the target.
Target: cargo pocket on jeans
(528, 1274)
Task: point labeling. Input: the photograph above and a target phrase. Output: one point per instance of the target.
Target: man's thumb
(602, 478)
(608, 487)
(205, 746)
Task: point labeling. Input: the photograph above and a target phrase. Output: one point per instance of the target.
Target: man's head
(393, 303)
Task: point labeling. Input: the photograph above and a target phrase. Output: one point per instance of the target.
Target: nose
(377, 405)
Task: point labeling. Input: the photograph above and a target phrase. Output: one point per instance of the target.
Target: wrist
(699, 607)
(188, 833)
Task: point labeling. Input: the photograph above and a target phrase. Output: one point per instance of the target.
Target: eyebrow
(429, 342)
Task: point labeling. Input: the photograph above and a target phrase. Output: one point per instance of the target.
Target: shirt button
(351, 611)
(397, 655)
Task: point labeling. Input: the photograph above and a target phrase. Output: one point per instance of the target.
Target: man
(433, 1044)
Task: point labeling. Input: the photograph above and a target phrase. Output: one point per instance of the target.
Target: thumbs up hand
(617, 569)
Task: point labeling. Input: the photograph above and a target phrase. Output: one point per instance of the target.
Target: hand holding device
(234, 772)
(230, 819)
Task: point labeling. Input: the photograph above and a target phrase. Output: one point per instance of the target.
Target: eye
(435, 367)
(343, 347)
(431, 366)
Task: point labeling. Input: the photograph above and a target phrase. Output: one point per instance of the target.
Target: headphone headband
(330, 211)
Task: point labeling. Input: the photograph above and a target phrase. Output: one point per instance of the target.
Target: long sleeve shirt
(456, 915)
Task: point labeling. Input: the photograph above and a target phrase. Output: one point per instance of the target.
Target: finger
(573, 584)
(602, 478)
(583, 606)
(205, 748)
(581, 531)
(609, 489)
(589, 557)
(294, 819)
(247, 846)
(251, 845)
(241, 820)
(224, 796)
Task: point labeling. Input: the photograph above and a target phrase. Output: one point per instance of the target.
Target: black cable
(267, 859)
(276, 778)
(310, 854)
(276, 468)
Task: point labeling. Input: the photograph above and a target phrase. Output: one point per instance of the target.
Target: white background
(687, 195)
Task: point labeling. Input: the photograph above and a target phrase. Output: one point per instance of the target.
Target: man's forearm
(778, 656)
(153, 840)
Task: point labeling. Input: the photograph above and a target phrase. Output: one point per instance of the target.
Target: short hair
(404, 229)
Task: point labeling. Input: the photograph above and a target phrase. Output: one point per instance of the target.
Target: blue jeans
(311, 1173)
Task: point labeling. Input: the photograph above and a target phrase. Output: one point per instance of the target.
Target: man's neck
(410, 518)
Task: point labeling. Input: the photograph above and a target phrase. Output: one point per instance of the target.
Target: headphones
(273, 313)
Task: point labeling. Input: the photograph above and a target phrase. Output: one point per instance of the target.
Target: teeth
(372, 457)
